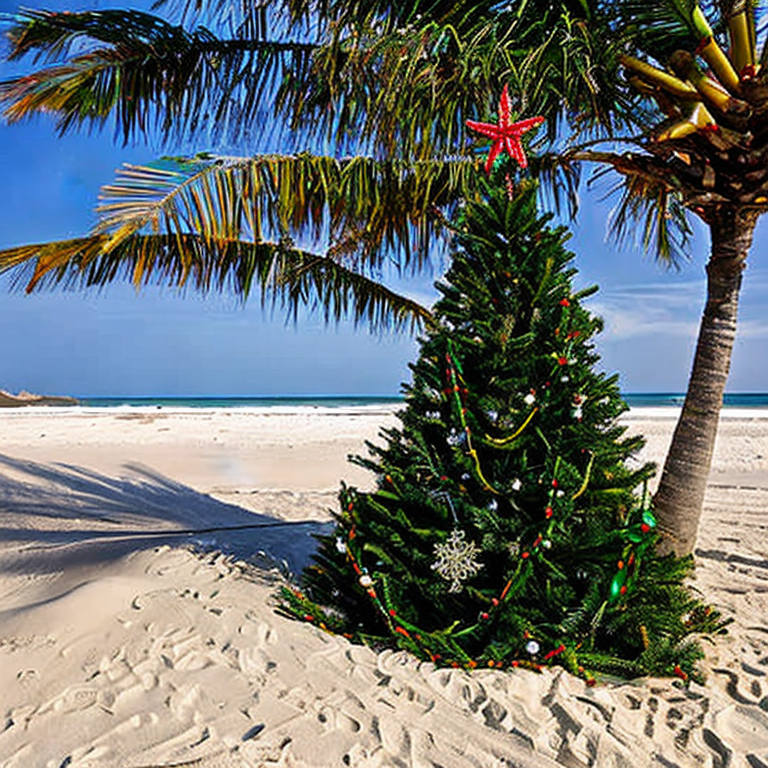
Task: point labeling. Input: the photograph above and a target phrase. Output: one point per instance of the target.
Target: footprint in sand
(27, 676)
(254, 662)
(191, 704)
(732, 687)
(74, 699)
(88, 757)
(334, 716)
(165, 603)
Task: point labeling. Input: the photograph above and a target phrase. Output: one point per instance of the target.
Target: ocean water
(634, 400)
(341, 402)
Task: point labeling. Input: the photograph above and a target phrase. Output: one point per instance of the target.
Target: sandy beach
(140, 554)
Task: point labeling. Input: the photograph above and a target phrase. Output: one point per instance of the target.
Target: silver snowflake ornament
(456, 560)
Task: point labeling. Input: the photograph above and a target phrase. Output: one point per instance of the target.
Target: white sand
(121, 646)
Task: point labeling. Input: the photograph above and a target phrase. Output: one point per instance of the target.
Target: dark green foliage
(509, 448)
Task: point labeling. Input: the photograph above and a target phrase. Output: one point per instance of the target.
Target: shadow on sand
(54, 515)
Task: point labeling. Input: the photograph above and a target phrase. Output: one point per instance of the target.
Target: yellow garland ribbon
(483, 481)
(454, 376)
(586, 479)
(505, 440)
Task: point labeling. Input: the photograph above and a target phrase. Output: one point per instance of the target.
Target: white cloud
(674, 308)
(651, 309)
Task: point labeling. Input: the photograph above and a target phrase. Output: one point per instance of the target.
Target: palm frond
(407, 93)
(145, 73)
(347, 13)
(396, 87)
(230, 223)
(661, 26)
(285, 276)
(362, 210)
(650, 202)
(326, 286)
(559, 178)
(243, 20)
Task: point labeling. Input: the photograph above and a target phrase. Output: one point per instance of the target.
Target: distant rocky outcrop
(7, 400)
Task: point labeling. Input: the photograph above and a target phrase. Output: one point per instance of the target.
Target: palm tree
(707, 153)
(395, 84)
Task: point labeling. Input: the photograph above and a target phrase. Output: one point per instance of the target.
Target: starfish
(505, 135)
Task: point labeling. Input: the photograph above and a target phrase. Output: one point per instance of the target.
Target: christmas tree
(509, 526)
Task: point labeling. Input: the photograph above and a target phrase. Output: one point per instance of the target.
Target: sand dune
(137, 621)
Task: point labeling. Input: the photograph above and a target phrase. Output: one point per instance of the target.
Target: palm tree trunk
(680, 497)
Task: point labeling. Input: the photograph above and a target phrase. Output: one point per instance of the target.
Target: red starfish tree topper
(505, 135)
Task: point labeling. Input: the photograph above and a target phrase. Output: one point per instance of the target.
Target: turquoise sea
(634, 400)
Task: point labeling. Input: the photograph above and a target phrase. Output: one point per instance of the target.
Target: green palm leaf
(652, 201)
(362, 210)
(408, 93)
(223, 223)
(287, 277)
(145, 73)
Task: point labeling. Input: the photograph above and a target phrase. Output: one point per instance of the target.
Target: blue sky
(118, 342)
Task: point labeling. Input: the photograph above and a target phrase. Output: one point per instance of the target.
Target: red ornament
(562, 361)
(548, 512)
(565, 303)
(525, 555)
(485, 616)
(494, 601)
(555, 652)
(505, 135)
(645, 528)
